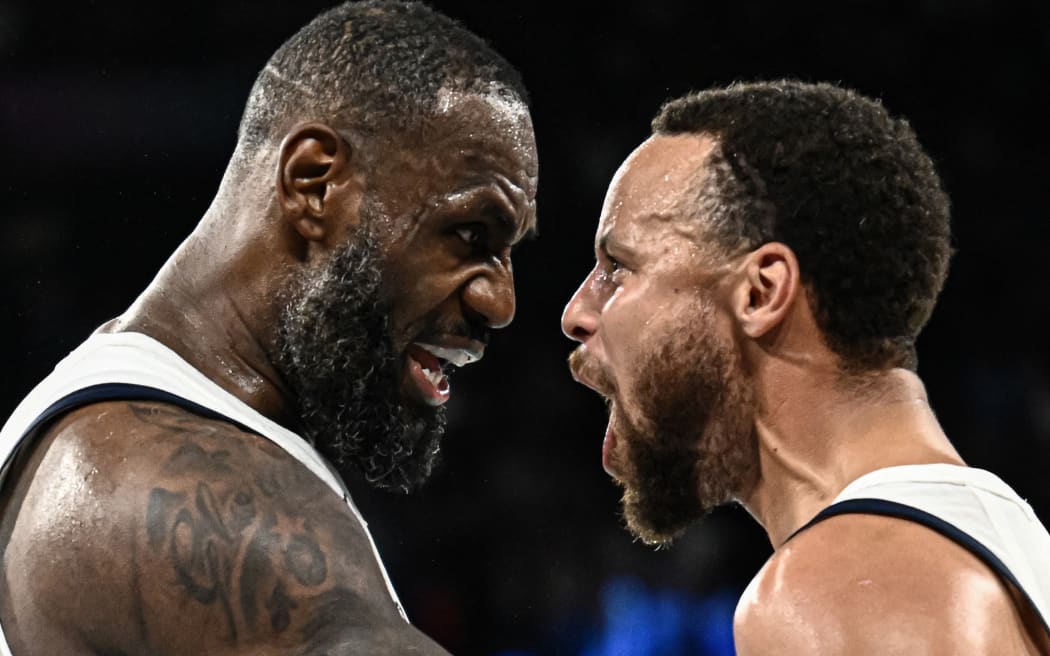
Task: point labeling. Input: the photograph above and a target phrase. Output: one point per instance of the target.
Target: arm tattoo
(197, 542)
(242, 537)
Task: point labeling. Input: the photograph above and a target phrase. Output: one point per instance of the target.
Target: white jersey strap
(972, 507)
(133, 366)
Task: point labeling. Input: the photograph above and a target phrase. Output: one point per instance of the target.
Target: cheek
(642, 325)
(403, 293)
(630, 320)
(415, 296)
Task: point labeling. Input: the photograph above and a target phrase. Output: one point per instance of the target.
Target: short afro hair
(375, 65)
(846, 186)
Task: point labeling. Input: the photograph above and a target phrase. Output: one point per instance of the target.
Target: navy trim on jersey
(125, 392)
(950, 531)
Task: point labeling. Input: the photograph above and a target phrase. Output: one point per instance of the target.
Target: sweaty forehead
(471, 142)
(652, 180)
(495, 124)
(649, 214)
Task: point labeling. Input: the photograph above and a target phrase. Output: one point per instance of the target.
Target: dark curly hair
(846, 186)
(378, 65)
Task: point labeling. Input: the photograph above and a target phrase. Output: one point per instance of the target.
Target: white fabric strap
(136, 359)
(978, 503)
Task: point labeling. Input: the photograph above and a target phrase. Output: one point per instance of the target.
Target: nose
(580, 319)
(489, 296)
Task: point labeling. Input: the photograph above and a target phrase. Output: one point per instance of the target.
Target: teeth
(458, 357)
(433, 376)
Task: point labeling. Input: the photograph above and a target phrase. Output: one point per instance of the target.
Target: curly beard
(335, 351)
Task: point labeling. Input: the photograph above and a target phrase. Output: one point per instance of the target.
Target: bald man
(173, 487)
(765, 262)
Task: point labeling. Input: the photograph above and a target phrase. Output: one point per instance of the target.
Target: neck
(212, 304)
(817, 435)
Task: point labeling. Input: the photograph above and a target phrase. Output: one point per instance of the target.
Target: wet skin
(136, 528)
(855, 584)
(459, 203)
(650, 271)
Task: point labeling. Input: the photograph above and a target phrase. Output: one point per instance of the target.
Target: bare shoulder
(864, 584)
(143, 528)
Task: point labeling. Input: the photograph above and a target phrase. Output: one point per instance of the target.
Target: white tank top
(972, 507)
(106, 364)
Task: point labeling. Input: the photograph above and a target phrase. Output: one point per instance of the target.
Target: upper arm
(199, 538)
(874, 585)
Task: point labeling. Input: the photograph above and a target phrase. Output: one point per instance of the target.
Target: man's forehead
(491, 129)
(472, 151)
(497, 101)
(660, 169)
(650, 184)
(496, 112)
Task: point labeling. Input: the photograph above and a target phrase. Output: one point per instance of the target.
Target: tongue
(425, 358)
(429, 382)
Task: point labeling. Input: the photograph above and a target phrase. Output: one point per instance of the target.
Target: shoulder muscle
(862, 584)
(194, 523)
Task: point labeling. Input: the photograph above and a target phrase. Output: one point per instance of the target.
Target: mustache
(591, 373)
(453, 327)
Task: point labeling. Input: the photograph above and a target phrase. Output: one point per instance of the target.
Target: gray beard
(335, 351)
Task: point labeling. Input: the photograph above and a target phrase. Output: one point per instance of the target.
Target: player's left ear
(768, 286)
(311, 167)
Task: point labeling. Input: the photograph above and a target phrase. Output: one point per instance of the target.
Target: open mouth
(611, 447)
(429, 365)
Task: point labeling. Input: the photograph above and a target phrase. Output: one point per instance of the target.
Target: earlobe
(312, 157)
(768, 289)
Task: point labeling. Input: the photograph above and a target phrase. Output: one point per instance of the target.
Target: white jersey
(972, 507)
(134, 366)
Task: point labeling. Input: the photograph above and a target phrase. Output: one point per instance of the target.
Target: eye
(611, 271)
(613, 267)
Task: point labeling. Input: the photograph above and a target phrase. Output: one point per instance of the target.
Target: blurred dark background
(116, 122)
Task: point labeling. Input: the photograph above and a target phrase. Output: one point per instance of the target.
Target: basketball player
(765, 261)
(172, 487)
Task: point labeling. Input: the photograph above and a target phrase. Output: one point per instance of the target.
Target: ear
(313, 159)
(767, 289)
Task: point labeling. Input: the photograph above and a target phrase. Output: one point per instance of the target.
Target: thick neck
(817, 434)
(213, 304)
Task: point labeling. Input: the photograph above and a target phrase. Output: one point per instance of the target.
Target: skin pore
(441, 214)
(722, 388)
(215, 527)
(679, 437)
(654, 268)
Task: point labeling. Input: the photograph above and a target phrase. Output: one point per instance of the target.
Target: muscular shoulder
(154, 520)
(862, 584)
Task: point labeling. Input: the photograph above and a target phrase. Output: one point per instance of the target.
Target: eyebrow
(609, 239)
(501, 209)
(531, 234)
(508, 223)
(508, 213)
(525, 211)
